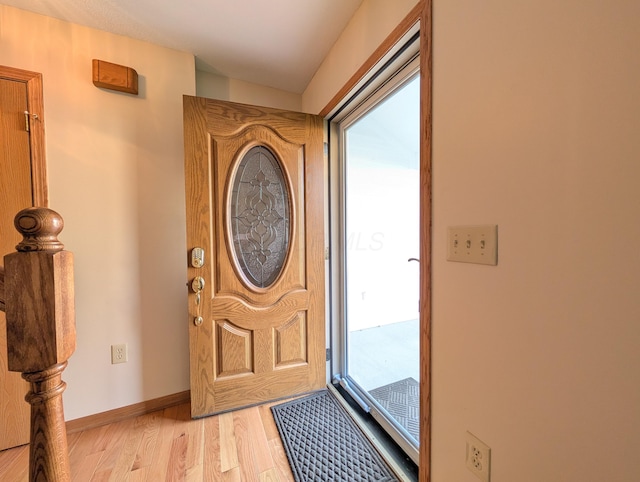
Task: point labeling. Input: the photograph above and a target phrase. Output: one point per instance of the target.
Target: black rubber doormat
(324, 444)
(401, 400)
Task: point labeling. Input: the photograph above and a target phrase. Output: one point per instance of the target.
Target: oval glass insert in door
(260, 217)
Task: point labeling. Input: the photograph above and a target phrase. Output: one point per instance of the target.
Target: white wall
(115, 164)
(536, 115)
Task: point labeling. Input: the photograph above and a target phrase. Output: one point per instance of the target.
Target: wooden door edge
(426, 52)
(35, 102)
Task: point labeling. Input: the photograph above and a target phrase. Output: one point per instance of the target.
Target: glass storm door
(381, 246)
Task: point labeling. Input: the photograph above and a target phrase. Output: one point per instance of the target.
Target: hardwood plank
(246, 456)
(101, 437)
(14, 464)
(196, 474)
(228, 448)
(80, 445)
(232, 475)
(83, 469)
(270, 475)
(212, 453)
(94, 441)
(147, 445)
(189, 428)
(71, 440)
(176, 469)
(127, 456)
(101, 476)
(168, 446)
(114, 440)
(8, 457)
(162, 451)
(195, 452)
(139, 475)
(268, 422)
(258, 442)
(281, 460)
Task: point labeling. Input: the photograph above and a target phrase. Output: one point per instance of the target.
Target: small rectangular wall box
(115, 77)
(473, 244)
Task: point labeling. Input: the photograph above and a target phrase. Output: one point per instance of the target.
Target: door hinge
(328, 354)
(27, 122)
(326, 253)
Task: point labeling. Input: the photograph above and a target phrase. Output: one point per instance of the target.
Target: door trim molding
(387, 44)
(422, 12)
(35, 102)
(426, 123)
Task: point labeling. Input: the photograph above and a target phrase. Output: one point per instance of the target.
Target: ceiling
(277, 43)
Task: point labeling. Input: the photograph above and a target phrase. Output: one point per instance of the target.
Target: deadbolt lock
(197, 257)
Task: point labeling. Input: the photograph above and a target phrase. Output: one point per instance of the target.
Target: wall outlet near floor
(119, 353)
(478, 457)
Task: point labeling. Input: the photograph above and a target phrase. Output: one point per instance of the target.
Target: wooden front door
(22, 184)
(255, 205)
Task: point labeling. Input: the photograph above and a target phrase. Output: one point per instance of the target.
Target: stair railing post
(41, 335)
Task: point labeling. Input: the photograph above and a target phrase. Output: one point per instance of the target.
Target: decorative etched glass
(260, 216)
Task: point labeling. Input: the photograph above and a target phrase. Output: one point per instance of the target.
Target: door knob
(197, 284)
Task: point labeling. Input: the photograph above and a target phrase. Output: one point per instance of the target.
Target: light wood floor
(168, 446)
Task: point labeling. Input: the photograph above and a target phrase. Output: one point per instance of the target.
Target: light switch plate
(473, 244)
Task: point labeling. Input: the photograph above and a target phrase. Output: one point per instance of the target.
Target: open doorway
(376, 230)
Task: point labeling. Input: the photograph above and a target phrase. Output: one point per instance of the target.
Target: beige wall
(115, 164)
(535, 129)
(219, 87)
(536, 117)
(370, 26)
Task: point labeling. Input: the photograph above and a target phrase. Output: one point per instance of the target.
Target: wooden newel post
(41, 336)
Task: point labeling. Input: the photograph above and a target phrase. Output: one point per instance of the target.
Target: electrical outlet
(119, 353)
(478, 457)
